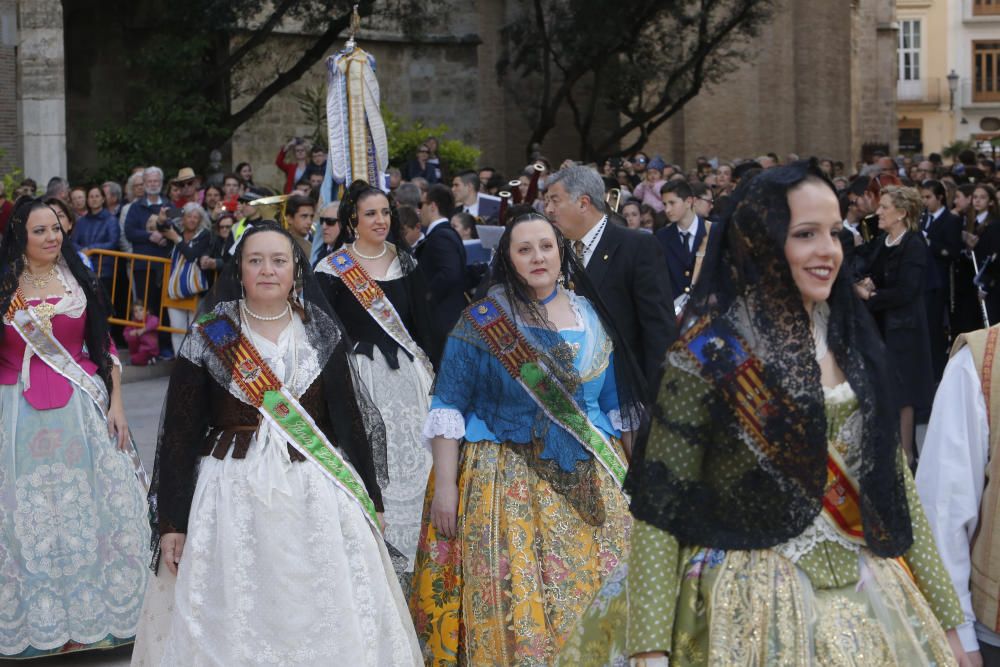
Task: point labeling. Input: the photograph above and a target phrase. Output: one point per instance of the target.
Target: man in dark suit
(683, 240)
(441, 256)
(943, 230)
(628, 271)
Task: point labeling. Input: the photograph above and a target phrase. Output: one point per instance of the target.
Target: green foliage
(312, 103)
(952, 150)
(11, 180)
(405, 138)
(168, 135)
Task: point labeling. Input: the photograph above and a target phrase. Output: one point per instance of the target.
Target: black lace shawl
(407, 295)
(714, 491)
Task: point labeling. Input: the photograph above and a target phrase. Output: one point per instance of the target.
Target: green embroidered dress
(818, 599)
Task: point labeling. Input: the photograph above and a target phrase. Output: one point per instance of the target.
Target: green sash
(526, 368)
(280, 409)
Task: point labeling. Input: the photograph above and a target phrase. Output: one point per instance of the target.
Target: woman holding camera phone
(293, 170)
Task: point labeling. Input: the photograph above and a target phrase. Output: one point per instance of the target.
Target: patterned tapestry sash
(526, 367)
(263, 390)
(38, 336)
(373, 299)
(841, 502)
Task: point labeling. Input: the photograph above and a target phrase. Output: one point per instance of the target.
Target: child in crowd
(143, 346)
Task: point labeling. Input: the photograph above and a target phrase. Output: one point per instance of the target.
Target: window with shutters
(985, 7)
(986, 71)
(909, 87)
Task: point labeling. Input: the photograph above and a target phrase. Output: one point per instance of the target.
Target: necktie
(927, 221)
(578, 250)
(686, 242)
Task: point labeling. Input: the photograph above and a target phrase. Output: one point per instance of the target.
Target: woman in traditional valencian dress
(527, 515)
(777, 522)
(381, 298)
(264, 489)
(72, 516)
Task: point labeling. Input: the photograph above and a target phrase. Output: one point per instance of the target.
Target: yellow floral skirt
(526, 562)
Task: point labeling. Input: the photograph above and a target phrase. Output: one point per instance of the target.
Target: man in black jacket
(943, 230)
(626, 266)
(441, 256)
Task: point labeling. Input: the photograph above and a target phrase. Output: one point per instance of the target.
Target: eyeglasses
(329, 222)
(708, 199)
(221, 227)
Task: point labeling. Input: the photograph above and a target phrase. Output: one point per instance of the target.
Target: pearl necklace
(265, 318)
(894, 242)
(380, 255)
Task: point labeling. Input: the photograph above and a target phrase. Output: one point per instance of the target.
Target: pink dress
(73, 530)
(146, 346)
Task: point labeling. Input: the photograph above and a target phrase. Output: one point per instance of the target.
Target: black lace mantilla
(704, 475)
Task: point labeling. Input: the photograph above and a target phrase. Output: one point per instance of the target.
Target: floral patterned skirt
(74, 537)
(526, 563)
(756, 608)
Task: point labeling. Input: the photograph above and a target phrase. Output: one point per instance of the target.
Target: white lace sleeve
(445, 423)
(615, 416)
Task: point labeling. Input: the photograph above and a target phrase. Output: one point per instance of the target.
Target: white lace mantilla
(821, 530)
(443, 423)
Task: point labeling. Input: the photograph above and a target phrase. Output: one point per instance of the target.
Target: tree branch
(694, 66)
(309, 58)
(257, 37)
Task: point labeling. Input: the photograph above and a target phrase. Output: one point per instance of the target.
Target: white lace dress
(280, 566)
(403, 398)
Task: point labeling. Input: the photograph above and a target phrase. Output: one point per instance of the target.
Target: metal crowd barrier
(97, 258)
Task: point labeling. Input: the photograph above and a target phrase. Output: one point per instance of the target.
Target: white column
(41, 70)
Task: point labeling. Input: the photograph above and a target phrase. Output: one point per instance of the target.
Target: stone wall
(41, 91)
(812, 84)
(435, 81)
(9, 134)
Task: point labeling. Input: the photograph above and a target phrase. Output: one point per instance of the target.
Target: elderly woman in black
(894, 292)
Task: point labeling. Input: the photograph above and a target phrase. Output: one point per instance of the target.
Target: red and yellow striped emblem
(17, 302)
(842, 503)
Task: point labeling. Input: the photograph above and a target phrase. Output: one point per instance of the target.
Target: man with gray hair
(58, 188)
(144, 226)
(112, 197)
(629, 272)
(408, 194)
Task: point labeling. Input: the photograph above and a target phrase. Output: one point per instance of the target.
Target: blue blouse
(473, 382)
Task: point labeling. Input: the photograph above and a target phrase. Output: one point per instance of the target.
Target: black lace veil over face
(747, 291)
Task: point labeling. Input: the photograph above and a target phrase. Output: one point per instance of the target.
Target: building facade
(820, 81)
(925, 105)
(974, 30)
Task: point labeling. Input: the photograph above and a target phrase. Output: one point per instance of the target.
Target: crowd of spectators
(192, 221)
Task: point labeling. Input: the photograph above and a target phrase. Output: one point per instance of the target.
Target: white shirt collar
(692, 230)
(592, 238)
(981, 217)
(936, 215)
(434, 224)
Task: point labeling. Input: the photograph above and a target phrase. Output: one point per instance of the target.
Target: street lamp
(952, 87)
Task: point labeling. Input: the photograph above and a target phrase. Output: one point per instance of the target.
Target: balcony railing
(985, 7)
(930, 90)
